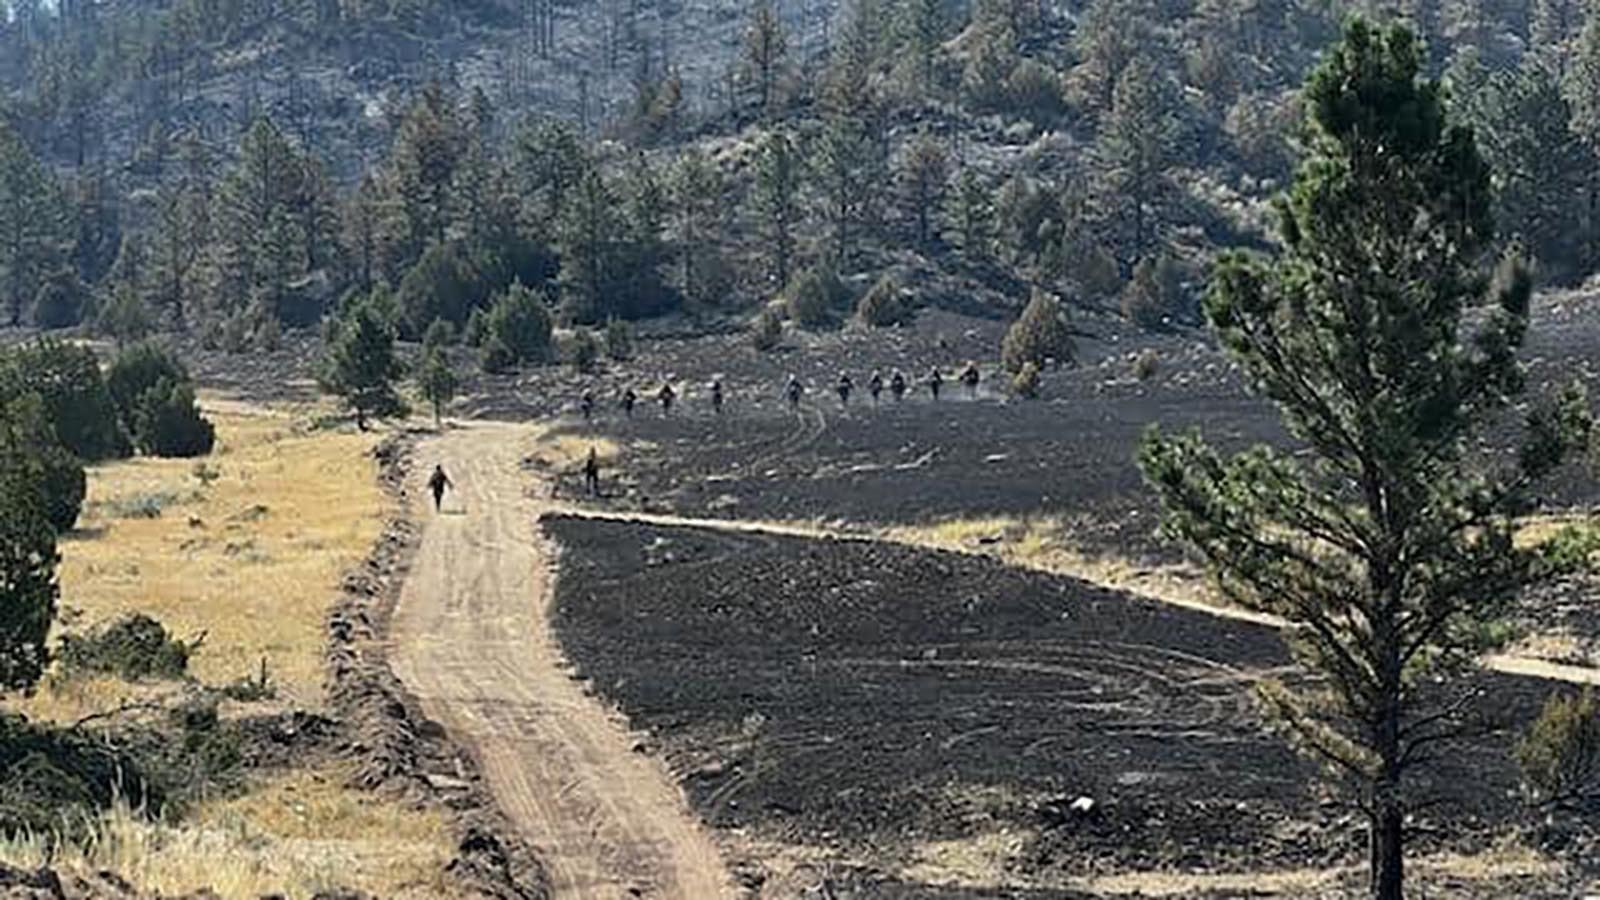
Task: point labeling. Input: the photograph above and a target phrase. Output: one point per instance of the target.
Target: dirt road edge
(396, 748)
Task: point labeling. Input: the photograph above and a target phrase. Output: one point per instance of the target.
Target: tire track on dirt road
(471, 641)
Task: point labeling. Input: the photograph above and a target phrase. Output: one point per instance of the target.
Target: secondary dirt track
(471, 642)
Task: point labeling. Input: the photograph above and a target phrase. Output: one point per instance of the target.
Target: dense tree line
(842, 160)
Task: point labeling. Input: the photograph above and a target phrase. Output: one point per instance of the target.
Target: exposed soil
(471, 642)
(396, 747)
(871, 698)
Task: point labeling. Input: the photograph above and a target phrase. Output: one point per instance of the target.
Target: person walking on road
(666, 395)
(875, 386)
(844, 388)
(437, 483)
(591, 473)
(969, 377)
(629, 398)
(935, 382)
(716, 395)
(897, 385)
(793, 391)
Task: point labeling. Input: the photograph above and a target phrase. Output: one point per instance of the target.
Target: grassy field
(247, 548)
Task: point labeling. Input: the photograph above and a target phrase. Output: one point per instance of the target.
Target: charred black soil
(871, 698)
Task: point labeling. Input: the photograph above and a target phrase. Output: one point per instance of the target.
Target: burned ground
(1068, 454)
(872, 698)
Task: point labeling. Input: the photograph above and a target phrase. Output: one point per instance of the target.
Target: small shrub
(1035, 90)
(59, 303)
(1038, 335)
(133, 647)
(168, 423)
(882, 306)
(584, 351)
(268, 334)
(1025, 383)
(1560, 754)
(251, 688)
(136, 370)
(497, 357)
(766, 332)
(139, 506)
(619, 339)
(442, 333)
(520, 322)
(1570, 549)
(472, 334)
(1146, 364)
(1155, 298)
(814, 295)
(124, 318)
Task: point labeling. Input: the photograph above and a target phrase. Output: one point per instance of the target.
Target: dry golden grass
(1044, 543)
(294, 835)
(1505, 862)
(252, 560)
(564, 451)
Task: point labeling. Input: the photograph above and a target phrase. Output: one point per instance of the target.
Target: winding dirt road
(471, 640)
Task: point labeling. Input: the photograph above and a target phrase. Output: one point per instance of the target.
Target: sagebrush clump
(1560, 754)
(882, 305)
(134, 647)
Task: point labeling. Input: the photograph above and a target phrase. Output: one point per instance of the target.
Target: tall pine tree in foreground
(1388, 549)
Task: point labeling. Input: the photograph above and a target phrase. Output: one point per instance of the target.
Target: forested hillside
(233, 168)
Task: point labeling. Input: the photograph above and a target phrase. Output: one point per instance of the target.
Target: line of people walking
(795, 389)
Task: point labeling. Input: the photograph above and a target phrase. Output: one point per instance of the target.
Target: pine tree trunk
(1388, 852)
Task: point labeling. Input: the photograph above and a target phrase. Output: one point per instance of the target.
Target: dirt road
(471, 641)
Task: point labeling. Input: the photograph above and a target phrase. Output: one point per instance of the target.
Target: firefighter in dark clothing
(716, 395)
(875, 386)
(437, 483)
(897, 385)
(666, 395)
(586, 403)
(793, 390)
(591, 473)
(935, 382)
(629, 398)
(844, 387)
(969, 377)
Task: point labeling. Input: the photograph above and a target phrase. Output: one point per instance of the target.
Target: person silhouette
(437, 483)
(591, 473)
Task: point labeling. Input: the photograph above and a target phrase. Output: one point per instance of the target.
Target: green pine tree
(697, 203)
(438, 383)
(923, 179)
(1389, 549)
(777, 200)
(28, 587)
(1135, 152)
(35, 232)
(765, 47)
(360, 364)
(1539, 165)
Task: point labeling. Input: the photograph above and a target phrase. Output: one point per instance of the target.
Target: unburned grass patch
(253, 561)
(293, 837)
